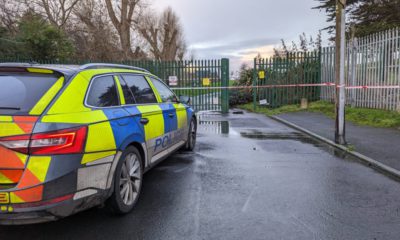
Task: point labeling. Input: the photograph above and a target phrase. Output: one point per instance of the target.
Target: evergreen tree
(41, 40)
(374, 16)
(364, 16)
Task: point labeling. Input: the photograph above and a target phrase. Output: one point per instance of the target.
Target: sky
(239, 30)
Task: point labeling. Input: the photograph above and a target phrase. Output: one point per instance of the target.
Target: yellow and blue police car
(74, 137)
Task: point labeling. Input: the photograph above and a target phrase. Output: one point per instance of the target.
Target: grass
(360, 116)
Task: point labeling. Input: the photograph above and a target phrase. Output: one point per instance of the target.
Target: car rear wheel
(192, 135)
(128, 180)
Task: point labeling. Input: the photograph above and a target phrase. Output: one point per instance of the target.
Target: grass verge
(360, 116)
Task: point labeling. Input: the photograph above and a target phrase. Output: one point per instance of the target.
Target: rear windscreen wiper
(10, 108)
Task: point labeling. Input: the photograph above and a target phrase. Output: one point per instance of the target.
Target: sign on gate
(173, 80)
(261, 74)
(206, 82)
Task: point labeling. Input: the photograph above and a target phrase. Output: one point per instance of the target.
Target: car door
(103, 94)
(143, 105)
(174, 112)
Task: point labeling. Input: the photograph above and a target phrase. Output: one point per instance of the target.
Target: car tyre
(128, 179)
(192, 135)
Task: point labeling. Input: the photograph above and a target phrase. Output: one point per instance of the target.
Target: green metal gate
(286, 80)
(205, 81)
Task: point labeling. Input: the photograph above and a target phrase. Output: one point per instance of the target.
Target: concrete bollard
(304, 103)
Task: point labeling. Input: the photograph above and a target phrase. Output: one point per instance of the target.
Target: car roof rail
(18, 64)
(109, 65)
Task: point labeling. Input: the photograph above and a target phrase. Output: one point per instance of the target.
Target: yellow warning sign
(206, 82)
(261, 74)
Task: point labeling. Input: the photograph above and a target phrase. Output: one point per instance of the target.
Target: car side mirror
(184, 99)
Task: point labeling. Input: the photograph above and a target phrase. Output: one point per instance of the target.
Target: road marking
(180, 169)
(246, 204)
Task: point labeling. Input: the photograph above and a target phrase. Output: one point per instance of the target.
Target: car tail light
(58, 142)
(65, 141)
(17, 143)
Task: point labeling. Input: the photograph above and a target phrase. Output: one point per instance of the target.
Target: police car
(74, 137)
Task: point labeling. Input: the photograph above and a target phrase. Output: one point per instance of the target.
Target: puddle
(260, 135)
(212, 122)
(216, 127)
(210, 113)
(237, 112)
(202, 146)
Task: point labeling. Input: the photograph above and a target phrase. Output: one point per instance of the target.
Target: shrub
(239, 97)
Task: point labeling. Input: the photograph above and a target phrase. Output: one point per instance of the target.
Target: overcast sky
(240, 29)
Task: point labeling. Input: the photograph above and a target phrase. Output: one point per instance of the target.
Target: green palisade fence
(371, 61)
(284, 72)
(196, 78)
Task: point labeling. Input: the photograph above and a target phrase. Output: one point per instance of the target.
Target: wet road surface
(376, 143)
(249, 178)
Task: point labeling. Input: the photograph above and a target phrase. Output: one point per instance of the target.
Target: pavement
(380, 144)
(250, 177)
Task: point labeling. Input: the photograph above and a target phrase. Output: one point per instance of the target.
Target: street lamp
(340, 71)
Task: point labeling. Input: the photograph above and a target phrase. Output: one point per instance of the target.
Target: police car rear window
(20, 93)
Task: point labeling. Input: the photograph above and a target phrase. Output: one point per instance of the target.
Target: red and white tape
(290, 86)
(263, 86)
(374, 87)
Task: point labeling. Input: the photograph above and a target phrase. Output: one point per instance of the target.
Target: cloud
(241, 29)
(239, 52)
(232, 49)
(233, 45)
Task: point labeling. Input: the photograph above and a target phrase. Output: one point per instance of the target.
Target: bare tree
(305, 44)
(294, 47)
(105, 29)
(318, 41)
(58, 12)
(123, 15)
(164, 34)
(10, 13)
(93, 33)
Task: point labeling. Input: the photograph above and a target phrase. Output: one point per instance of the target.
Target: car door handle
(144, 121)
(171, 115)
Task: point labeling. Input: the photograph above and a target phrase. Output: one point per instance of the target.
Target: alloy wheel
(130, 179)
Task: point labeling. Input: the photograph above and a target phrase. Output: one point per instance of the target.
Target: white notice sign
(173, 80)
(264, 102)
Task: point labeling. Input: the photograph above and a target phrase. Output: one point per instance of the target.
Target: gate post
(225, 84)
(254, 83)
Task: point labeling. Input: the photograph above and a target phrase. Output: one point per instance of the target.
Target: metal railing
(287, 79)
(373, 71)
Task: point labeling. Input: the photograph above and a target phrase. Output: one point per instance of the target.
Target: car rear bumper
(67, 187)
(48, 213)
(26, 218)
